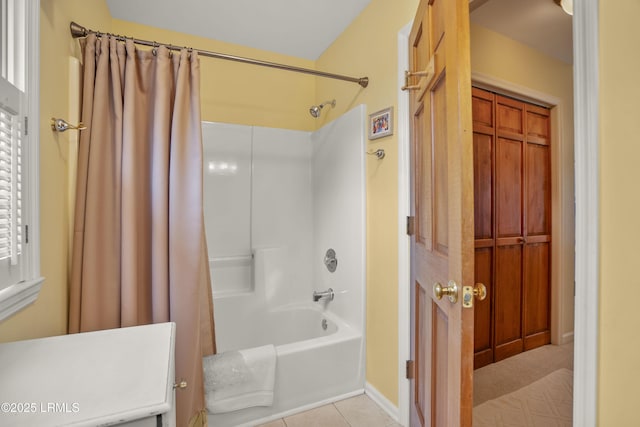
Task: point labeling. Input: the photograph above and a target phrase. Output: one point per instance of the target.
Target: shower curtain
(139, 251)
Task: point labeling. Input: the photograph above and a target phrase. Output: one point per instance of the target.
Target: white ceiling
(306, 28)
(540, 24)
(300, 28)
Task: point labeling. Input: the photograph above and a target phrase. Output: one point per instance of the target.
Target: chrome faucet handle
(330, 260)
(328, 294)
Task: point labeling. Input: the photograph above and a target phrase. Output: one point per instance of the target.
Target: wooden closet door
(512, 195)
(483, 171)
(509, 227)
(537, 250)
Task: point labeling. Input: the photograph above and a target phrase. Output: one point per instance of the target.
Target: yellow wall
(619, 350)
(368, 47)
(232, 92)
(507, 60)
(48, 316)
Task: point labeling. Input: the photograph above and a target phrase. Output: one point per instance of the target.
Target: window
(19, 240)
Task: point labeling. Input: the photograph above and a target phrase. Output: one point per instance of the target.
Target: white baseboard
(566, 338)
(380, 400)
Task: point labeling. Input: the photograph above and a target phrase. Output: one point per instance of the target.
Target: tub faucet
(328, 294)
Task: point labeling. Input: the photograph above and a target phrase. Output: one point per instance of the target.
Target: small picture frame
(381, 123)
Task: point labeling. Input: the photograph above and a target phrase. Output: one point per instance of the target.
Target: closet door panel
(537, 294)
(483, 342)
(482, 182)
(483, 172)
(538, 190)
(482, 110)
(508, 188)
(508, 301)
(509, 117)
(537, 124)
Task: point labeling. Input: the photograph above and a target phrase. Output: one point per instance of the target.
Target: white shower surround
(288, 197)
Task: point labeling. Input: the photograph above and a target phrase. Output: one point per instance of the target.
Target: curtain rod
(78, 30)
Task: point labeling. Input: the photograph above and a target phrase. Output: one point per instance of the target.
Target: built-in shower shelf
(232, 273)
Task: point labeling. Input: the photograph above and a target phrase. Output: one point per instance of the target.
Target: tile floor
(358, 411)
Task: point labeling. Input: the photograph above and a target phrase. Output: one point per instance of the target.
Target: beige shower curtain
(139, 253)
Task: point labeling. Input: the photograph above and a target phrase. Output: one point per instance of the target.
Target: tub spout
(328, 294)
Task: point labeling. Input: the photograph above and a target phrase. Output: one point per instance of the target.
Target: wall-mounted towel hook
(379, 153)
(61, 125)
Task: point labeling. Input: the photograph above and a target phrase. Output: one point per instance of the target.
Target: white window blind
(10, 186)
(11, 162)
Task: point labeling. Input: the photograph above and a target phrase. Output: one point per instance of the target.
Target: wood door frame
(587, 202)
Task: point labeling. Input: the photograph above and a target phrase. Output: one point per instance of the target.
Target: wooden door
(512, 188)
(536, 316)
(442, 202)
(509, 213)
(483, 178)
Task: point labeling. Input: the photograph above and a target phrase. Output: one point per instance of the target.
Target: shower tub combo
(301, 193)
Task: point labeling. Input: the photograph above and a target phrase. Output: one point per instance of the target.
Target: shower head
(316, 109)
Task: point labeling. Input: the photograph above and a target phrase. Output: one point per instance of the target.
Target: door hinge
(410, 369)
(26, 125)
(411, 224)
(26, 234)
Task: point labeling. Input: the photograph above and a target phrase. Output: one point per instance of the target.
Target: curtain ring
(170, 51)
(154, 51)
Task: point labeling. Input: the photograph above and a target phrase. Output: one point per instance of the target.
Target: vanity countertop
(89, 379)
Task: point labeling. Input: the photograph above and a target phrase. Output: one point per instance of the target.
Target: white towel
(239, 379)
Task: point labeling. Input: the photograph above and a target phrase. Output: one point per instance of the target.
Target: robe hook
(379, 153)
(61, 125)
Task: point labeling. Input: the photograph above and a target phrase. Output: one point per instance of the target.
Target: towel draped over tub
(239, 379)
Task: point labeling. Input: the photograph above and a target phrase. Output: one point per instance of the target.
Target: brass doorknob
(479, 292)
(451, 291)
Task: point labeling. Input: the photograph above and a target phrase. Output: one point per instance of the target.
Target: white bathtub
(314, 366)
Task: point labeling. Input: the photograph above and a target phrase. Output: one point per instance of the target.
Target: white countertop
(89, 379)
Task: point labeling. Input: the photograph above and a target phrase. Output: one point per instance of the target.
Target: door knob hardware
(451, 291)
(522, 240)
(180, 385)
(479, 291)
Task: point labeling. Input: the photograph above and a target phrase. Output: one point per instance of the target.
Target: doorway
(520, 82)
(586, 213)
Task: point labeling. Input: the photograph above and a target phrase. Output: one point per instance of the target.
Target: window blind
(10, 186)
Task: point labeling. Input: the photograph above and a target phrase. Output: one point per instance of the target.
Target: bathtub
(319, 356)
